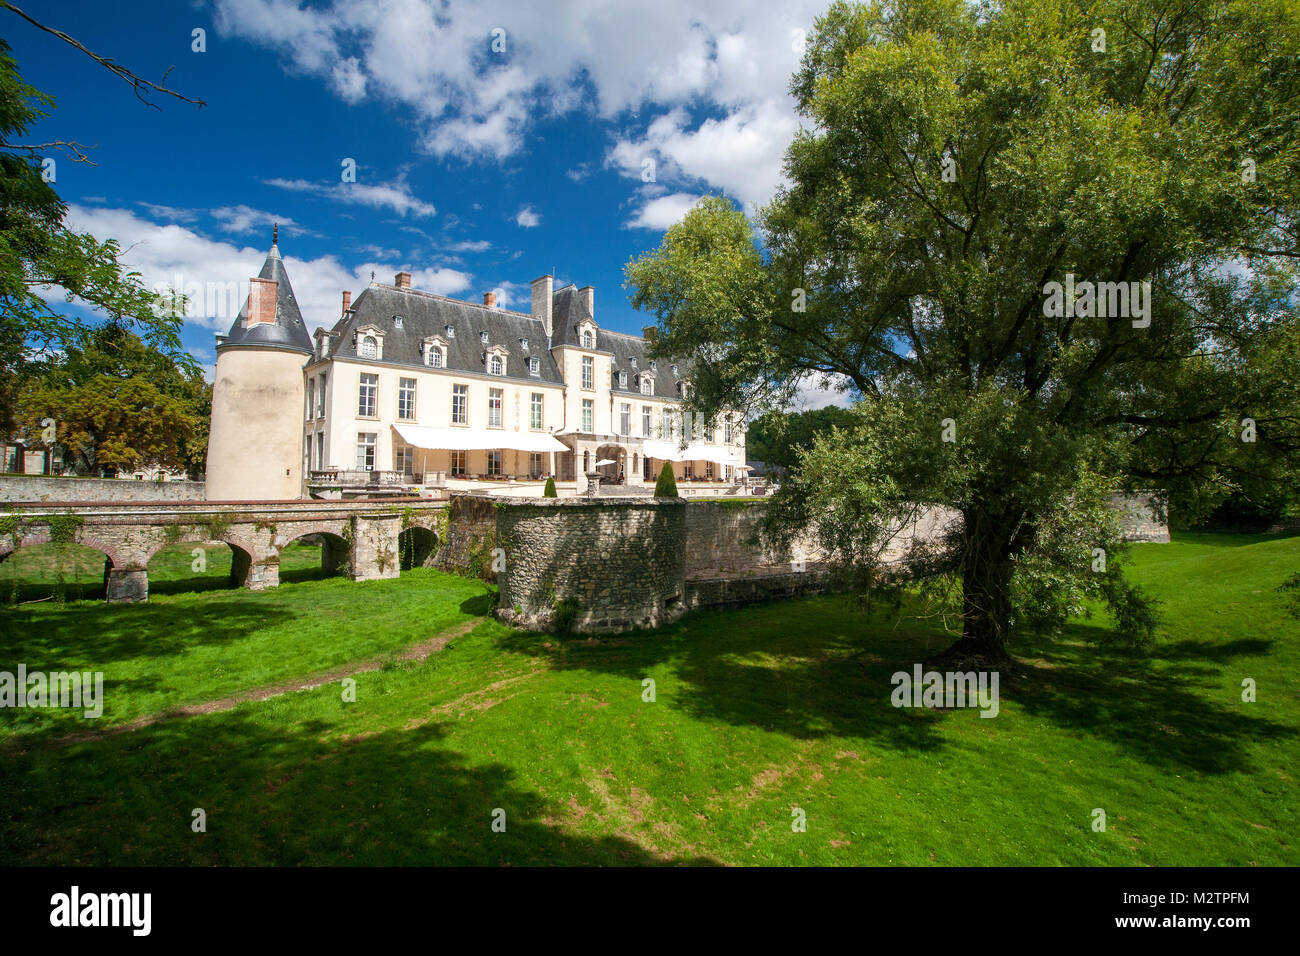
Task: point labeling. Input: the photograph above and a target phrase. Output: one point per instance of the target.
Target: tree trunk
(986, 570)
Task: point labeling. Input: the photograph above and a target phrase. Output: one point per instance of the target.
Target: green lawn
(758, 712)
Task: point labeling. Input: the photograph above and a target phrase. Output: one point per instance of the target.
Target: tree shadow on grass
(822, 666)
(101, 634)
(807, 669)
(1157, 707)
(290, 795)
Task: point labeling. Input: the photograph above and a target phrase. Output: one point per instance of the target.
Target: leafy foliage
(549, 490)
(956, 159)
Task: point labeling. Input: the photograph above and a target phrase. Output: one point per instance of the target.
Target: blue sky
(476, 169)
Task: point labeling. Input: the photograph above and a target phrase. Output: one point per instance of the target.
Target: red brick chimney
(490, 299)
(402, 280)
(347, 300)
(261, 301)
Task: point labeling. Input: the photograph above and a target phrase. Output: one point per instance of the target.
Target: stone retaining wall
(41, 488)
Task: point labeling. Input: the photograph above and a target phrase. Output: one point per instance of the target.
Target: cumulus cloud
(731, 59)
(396, 195)
(820, 392)
(663, 212)
(215, 274)
(528, 217)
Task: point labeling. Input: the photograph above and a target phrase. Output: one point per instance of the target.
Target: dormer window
(450, 330)
(535, 367)
(622, 379)
(523, 345)
(398, 321)
(496, 366)
(654, 366)
(647, 385)
(674, 369)
(369, 347)
(633, 361)
(588, 340)
(434, 351)
(368, 341)
(483, 337)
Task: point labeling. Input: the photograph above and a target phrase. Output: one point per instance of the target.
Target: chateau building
(412, 389)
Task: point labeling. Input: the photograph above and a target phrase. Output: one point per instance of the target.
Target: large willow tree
(967, 176)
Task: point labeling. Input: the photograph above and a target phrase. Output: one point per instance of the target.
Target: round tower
(255, 443)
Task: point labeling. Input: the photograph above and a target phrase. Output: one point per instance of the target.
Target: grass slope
(757, 713)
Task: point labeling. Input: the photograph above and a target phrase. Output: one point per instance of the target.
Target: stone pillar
(375, 552)
(126, 585)
(254, 575)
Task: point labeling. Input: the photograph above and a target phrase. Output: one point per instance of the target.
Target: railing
(353, 478)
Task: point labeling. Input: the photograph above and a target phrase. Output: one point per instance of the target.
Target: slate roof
(288, 332)
(425, 314)
(628, 347)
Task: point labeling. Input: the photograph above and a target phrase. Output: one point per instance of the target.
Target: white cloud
(663, 212)
(470, 245)
(215, 274)
(242, 220)
(528, 217)
(819, 392)
(396, 195)
(732, 58)
(170, 213)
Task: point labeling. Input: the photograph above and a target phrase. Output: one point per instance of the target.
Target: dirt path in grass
(415, 652)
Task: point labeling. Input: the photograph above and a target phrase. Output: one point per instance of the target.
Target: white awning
(476, 439)
(696, 451)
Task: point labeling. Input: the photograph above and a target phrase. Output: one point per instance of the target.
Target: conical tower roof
(288, 331)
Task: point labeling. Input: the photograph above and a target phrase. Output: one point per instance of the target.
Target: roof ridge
(446, 298)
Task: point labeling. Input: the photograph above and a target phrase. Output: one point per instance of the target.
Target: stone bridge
(363, 539)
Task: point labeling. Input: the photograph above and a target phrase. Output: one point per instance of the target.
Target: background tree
(957, 159)
(40, 255)
(777, 437)
(118, 403)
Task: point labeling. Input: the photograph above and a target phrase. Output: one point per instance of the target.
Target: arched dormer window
(588, 340)
(369, 347)
(435, 358)
(434, 350)
(496, 366)
(647, 385)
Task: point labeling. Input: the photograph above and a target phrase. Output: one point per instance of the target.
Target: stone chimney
(490, 299)
(402, 280)
(261, 301)
(347, 300)
(587, 296)
(543, 299)
(650, 333)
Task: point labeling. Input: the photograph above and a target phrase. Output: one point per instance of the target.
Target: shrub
(666, 486)
(565, 613)
(549, 490)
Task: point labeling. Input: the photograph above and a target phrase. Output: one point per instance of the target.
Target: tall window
(535, 464)
(586, 462)
(624, 419)
(320, 397)
(404, 460)
(494, 462)
(645, 421)
(494, 407)
(587, 341)
(368, 397)
(406, 399)
(588, 415)
(666, 425)
(311, 396)
(588, 372)
(366, 450)
(460, 404)
(535, 419)
(458, 463)
(320, 450)
(726, 432)
(369, 347)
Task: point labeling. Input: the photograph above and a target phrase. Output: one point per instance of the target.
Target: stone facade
(33, 488)
(471, 536)
(621, 561)
(1145, 515)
